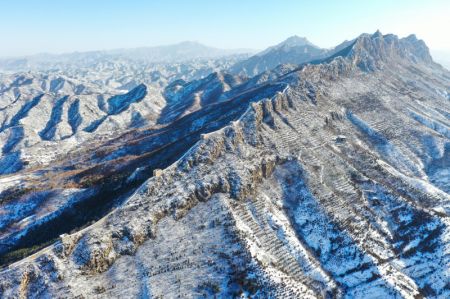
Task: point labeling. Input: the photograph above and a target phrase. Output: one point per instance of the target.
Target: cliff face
(330, 179)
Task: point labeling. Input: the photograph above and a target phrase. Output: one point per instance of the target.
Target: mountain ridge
(325, 179)
(295, 50)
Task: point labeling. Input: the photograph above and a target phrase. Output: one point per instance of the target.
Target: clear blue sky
(35, 26)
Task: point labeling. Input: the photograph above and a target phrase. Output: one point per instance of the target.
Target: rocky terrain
(324, 179)
(294, 50)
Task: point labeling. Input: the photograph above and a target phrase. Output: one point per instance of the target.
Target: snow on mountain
(291, 42)
(294, 50)
(308, 180)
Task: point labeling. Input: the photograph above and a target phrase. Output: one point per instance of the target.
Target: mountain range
(298, 172)
(177, 53)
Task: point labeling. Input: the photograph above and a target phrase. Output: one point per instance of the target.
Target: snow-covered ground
(323, 180)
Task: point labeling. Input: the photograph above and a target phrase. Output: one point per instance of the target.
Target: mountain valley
(195, 172)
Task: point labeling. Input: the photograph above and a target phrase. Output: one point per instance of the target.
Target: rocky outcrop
(265, 202)
(371, 51)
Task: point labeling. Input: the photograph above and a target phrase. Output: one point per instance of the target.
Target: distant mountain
(181, 52)
(292, 42)
(294, 50)
(328, 179)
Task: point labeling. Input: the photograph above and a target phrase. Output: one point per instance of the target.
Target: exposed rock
(261, 200)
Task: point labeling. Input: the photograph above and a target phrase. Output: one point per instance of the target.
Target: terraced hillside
(327, 179)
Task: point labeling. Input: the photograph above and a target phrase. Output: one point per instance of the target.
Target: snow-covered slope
(294, 50)
(322, 180)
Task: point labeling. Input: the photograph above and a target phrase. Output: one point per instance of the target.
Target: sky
(55, 26)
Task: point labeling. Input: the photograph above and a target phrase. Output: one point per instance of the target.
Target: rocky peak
(294, 50)
(370, 51)
(377, 34)
(292, 42)
(417, 47)
(295, 41)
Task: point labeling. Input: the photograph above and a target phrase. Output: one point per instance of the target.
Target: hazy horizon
(440, 54)
(130, 48)
(61, 27)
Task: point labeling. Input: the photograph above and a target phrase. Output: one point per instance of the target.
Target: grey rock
(260, 200)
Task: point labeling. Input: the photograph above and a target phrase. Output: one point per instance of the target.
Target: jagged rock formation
(323, 180)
